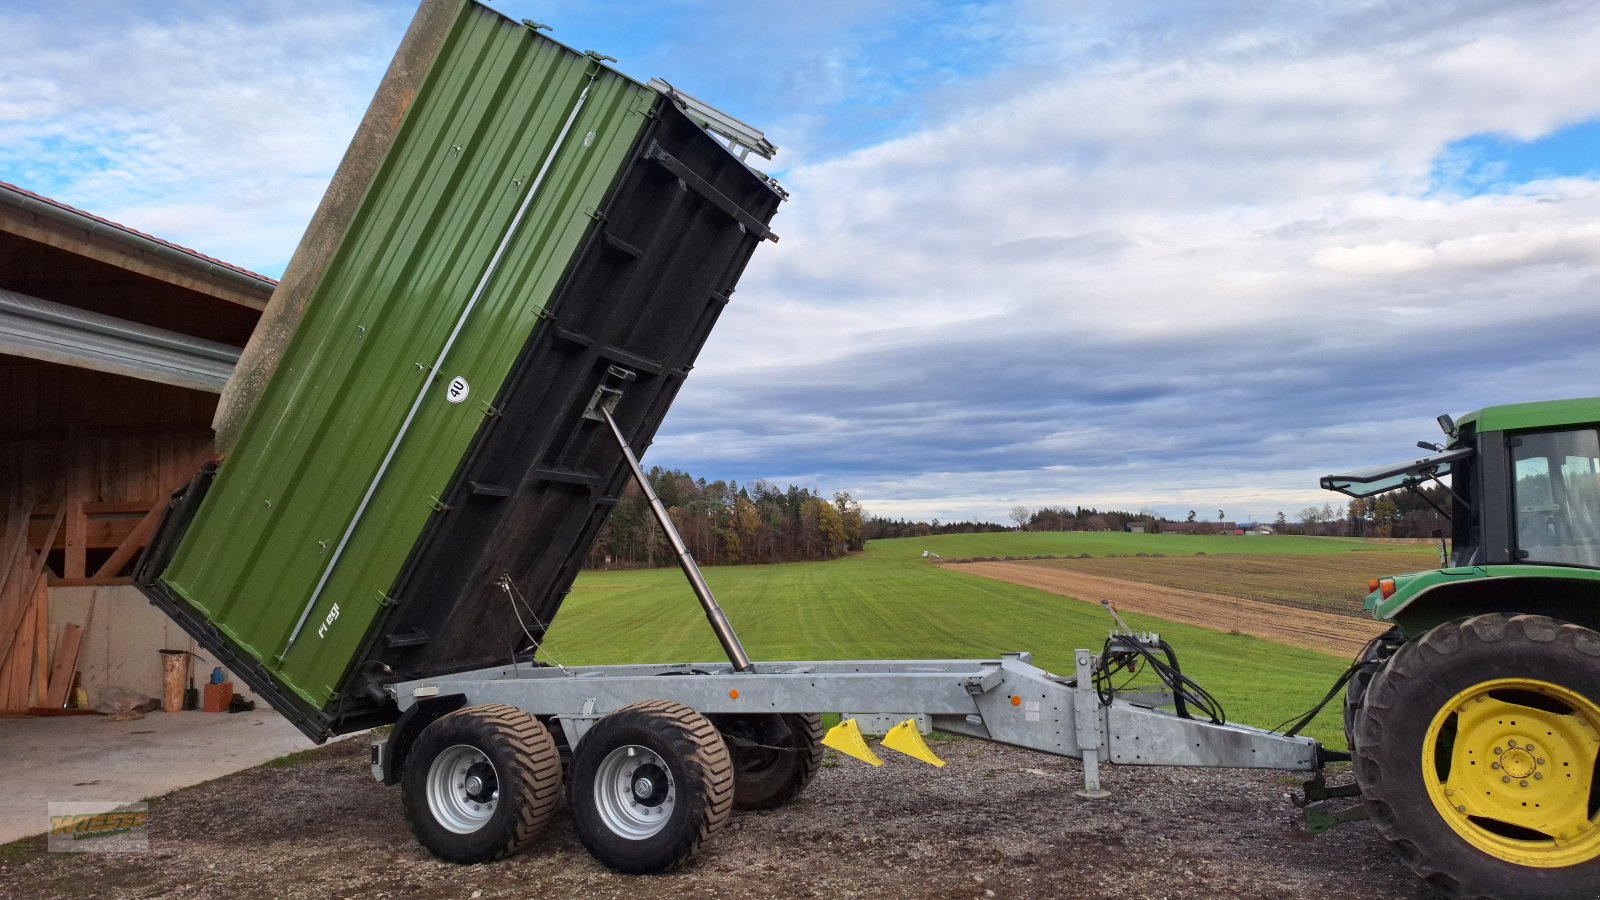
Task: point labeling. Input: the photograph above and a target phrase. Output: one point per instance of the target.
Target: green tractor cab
(1474, 723)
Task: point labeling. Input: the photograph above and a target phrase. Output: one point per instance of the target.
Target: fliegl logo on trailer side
(89, 827)
(332, 617)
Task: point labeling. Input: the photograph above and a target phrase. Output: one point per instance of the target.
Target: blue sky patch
(1491, 163)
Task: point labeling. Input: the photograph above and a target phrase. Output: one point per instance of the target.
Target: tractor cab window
(1556, 483)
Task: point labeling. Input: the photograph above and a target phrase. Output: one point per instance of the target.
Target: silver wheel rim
(463, 789)
(634, 792)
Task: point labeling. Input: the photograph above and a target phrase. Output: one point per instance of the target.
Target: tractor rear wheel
(774, 756)
(1476, 750)
(1371, 659)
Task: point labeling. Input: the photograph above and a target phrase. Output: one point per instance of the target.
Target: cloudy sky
(1138, 255)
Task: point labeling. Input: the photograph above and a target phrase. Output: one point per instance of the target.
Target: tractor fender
(1426, 599)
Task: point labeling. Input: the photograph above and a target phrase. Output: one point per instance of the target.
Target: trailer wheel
(774, 756)
(1476, 752)
(651, 783)
(481, 783)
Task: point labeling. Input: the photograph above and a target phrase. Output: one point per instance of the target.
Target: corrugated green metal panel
(486, 119)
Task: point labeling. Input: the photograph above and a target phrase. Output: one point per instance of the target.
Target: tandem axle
(655, 756)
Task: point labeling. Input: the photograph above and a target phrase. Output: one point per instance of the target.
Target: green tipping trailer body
(408, 485)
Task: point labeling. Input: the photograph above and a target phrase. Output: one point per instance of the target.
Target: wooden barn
(114, 346)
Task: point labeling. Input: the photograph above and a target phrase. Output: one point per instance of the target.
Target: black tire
(1371, 658)
(519, 782)
(1420, 721)
(680, 764)
(774, 756)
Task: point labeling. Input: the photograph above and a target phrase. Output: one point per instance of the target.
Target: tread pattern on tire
(812, 735)
(1412, 662)
(1377, 652)
(711, 754)
(535, 764)
(700, 745)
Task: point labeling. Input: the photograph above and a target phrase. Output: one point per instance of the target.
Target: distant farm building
(1199, 528)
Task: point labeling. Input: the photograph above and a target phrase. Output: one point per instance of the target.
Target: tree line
(1083, 518)
(1397, 514)
(878, 527)
(726, 523)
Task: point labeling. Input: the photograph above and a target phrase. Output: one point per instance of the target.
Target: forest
(726, 523)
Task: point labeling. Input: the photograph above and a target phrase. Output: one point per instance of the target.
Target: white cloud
(1266, 255)
(1172, 255)
(213, 126)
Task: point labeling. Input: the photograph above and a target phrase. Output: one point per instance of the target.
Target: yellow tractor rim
(1510, 766)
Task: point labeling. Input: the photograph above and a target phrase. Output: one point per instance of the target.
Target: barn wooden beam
(106, 250)
(19, 518)
(41, 640)
(141, 533)
(20, 591)
(137, 537)
(114, 432)
(75, 562)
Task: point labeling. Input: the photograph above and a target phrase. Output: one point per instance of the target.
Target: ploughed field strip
(1332, 583)
(1337, 633)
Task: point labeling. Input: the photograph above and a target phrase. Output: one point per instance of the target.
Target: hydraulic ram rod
(719, 622)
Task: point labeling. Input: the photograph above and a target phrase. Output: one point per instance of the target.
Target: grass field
(890, 603)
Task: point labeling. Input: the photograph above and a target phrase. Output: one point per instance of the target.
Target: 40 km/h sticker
(458, 390)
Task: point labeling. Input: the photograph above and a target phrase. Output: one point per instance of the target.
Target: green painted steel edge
(1409, 587)
(484, 122)
(1542, 414)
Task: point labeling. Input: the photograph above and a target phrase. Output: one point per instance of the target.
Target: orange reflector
(1387, 586)
(733, 694)
(1015, 700)
(1372, 585)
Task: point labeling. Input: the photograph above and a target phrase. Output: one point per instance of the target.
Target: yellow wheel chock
(846, 738)
(904, 738)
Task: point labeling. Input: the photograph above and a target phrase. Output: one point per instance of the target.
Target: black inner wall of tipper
(539, 479)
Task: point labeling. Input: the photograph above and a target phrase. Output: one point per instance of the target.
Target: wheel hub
(462, 788)
(634, 792)
(1518, 763)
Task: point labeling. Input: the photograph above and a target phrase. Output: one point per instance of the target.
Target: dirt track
(994, 823)
(1341, 636)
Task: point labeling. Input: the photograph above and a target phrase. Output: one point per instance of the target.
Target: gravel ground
(995, 822)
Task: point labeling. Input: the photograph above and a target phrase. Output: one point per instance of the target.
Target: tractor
(1474, 722)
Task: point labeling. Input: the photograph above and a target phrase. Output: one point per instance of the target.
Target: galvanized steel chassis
(1007, 701)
